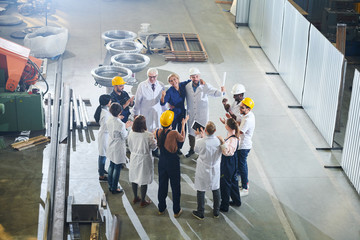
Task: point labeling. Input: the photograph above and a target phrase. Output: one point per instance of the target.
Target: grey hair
(153, 71)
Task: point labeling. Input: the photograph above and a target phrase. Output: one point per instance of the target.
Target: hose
(39, 75)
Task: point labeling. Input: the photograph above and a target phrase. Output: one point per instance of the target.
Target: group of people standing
(220, 162)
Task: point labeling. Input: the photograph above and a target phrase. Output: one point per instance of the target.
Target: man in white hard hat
(198, 104)
(233, 110)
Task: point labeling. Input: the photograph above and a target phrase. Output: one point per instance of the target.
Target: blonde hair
(173, 75)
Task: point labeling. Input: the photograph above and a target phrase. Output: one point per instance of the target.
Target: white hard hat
(194, 71)
(237, 89)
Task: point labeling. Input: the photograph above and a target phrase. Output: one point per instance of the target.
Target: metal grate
(351, 152)
(185, 47)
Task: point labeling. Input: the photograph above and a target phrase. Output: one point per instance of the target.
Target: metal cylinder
(82, 114)
(71, 116)
(76, 110)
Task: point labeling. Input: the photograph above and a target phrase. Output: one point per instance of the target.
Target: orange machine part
(16, 58)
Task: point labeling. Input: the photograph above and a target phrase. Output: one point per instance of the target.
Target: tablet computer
(197, 126)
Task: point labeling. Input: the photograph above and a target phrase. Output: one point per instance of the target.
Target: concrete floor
(292, 196)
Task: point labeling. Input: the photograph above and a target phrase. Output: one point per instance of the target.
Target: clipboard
(197, 126)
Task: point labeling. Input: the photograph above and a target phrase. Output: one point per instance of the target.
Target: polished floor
(292, 195)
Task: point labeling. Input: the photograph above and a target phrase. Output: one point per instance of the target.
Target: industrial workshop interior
(297, 59)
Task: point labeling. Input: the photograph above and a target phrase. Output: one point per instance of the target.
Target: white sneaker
(244, 192)
(240, 186)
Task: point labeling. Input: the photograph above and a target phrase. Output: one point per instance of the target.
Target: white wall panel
(322, 83)
(256, 18)
(351, 152)
(293, 52)
(272, 30)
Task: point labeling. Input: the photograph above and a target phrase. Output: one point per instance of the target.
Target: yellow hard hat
(248, 102)
(167, 118)
(117, 81)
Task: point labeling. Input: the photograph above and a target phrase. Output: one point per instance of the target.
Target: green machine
(20, 110)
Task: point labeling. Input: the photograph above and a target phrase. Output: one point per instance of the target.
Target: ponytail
(161, 141)
(97, 114)
(103, 101)
(233, 125)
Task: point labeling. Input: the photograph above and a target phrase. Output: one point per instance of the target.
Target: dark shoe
(191, 152)
(145, 203)
(224, 210)
(231, 203)
(197, 215)
(117, 191)
(103, 178)
(156, 153)
(136, 200)
(178, 152)
(216, 215)
(176, 215)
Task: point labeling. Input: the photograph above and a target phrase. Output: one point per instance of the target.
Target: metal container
(120, 46)
(120, 35)
(133, 61)
(103, 75)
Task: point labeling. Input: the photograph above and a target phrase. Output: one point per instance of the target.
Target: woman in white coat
(101, 115)
(207, 175)
(116, 151)
(141, 171)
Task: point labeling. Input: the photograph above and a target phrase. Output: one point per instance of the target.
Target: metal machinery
(18, 72)
(347, 12)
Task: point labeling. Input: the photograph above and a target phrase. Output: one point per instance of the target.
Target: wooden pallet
(185, 47)
(32, 142)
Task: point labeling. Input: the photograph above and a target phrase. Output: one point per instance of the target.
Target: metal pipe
(76, 110)
(48, 118)
(82, 114)
(65, 111)
(60, 192)
(115, 229)
(49, 202)
(71, 116)
(85, 113)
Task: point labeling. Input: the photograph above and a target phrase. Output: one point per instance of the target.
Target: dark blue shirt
(121, 99)
(176, 98)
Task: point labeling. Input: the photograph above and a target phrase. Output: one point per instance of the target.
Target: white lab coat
(147, 103)
(198, 103)
(141, 169)
(207, 175)
(103, 135)
(118, 133)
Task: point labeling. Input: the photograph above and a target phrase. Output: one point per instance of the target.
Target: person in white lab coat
(148, 95)
(101, 115)
(207, 174)
(147, 101)
(116, 151)
(198, 104)
(141, 171)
